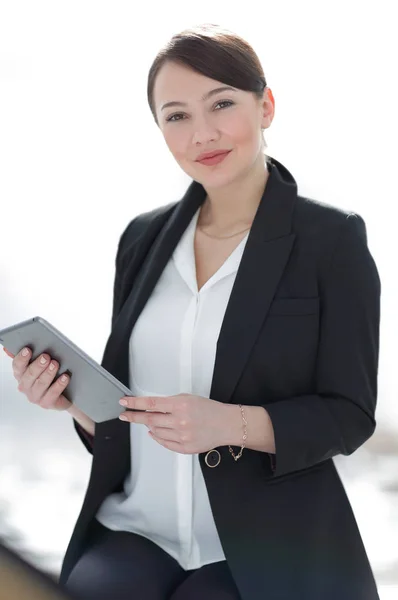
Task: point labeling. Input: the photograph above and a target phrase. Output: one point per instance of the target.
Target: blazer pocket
(294, 306)
(273, 480)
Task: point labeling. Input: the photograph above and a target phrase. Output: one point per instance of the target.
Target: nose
(204, 132)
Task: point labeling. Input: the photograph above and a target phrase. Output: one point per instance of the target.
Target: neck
(237, 202)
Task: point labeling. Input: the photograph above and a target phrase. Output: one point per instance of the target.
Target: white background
(80, 156)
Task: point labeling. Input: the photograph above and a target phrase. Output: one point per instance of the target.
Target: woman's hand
(36, 381)
(183, 423)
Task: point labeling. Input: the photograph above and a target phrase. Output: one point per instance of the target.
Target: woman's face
(227, 120)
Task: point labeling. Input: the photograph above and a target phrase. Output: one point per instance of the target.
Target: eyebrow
(204, 97)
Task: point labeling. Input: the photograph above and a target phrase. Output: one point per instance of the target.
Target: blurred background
(80, 156)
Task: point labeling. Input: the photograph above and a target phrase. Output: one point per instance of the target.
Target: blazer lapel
(267, 251)
(116, 355)
(265, 256)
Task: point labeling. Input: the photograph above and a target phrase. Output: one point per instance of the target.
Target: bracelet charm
(211, 457)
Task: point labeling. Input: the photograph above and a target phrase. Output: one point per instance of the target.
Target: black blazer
(300, 337)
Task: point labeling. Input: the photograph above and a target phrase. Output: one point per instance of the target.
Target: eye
(172, 120)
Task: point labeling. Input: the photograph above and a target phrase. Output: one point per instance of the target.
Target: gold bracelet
(244, 436)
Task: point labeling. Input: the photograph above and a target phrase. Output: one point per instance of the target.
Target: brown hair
(216, 53)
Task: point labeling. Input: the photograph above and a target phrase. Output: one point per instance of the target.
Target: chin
(217, 179)
(212, 181)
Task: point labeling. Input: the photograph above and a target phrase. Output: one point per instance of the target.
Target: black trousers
(120, 565)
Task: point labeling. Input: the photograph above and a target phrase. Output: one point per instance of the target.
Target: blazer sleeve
(340, 416)
(86, 438)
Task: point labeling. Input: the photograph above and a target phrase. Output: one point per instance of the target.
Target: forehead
(178, 82)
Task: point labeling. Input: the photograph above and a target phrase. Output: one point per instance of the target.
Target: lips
(212, 155)
(214, 160)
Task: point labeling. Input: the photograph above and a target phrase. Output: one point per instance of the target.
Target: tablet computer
(91, 388)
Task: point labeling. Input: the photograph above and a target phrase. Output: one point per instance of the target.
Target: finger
(169, 435)
(32, 372)
(174, 446)
(156, 403)
(54, 391)
(154, 419)
(20, 363)
(43, 382)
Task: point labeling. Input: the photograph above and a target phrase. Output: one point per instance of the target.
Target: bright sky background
(80, 154)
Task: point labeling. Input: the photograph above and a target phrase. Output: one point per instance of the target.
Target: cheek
(176, 142)
(244, 133)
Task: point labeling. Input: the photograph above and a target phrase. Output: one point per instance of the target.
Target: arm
(340, 415)
(83, 420)
(260, 433)
(84, 426)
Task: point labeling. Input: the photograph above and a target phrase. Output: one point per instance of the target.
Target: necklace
(224, 237)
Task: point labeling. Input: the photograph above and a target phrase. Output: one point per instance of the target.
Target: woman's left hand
(183, 423)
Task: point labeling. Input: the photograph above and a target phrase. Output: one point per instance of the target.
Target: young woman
(246, 320)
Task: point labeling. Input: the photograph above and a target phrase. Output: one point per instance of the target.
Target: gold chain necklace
(224, 237)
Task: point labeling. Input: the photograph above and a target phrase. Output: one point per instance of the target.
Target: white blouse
(172, 351)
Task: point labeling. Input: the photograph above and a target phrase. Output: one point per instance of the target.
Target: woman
(246, 320)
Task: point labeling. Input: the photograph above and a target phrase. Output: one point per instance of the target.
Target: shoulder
(147, 219)
(150, 221)
(325, 222)
(321, 213)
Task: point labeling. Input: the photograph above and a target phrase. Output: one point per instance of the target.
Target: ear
(268, 108)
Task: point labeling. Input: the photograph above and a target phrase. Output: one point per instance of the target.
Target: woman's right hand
(36, 381)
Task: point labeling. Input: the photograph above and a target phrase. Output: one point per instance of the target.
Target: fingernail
(25, 352)
(123, 418)
(123, 402)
